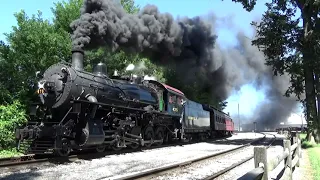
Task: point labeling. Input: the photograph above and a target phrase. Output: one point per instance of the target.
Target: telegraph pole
(301, 121)
(255, 128)
(239, 116)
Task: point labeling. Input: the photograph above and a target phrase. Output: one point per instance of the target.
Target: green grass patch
(303, 136)
(9, 153)
(314, 156)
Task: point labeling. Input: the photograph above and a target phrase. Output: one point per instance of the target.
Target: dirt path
(304, 172)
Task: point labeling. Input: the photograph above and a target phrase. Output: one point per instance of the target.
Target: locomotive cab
(170, 99)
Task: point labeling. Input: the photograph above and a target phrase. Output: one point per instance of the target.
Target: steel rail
(222, 172)
(151, 172)
(29, 159)
(11, 162)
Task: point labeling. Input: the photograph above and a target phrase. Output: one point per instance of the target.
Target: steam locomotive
(79, 110)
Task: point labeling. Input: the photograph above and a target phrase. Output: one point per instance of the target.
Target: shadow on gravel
(233, 141)
(280, 174)
(22, 175)
(90, 154)
(278, 142)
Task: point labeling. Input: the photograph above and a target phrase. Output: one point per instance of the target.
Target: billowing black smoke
(245, 64)
(189, 44)
(104, 22)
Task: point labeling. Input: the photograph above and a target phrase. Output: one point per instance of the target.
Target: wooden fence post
(298, 151)
(288, 160)
(260, 156)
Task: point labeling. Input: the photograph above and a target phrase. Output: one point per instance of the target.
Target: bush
(9, 153)
(305, 144)
(11, 116)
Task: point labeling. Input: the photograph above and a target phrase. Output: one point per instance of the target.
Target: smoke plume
(245, 64)
(190, 44)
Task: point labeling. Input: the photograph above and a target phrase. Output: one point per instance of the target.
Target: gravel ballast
(209, 167)
(114, 165)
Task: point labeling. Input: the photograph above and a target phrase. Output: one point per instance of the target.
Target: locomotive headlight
(41, 89)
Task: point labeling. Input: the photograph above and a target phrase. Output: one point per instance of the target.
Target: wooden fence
(291, 155)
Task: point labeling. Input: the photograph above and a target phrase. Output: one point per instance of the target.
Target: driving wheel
(101, 148)
(159, 134)
(148, 136)
(66, 148)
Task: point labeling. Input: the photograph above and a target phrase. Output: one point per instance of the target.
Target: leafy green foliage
(129, 6)
(64, 13)
(9, 153)
(247, 4)
(278, 36)
(11, 116)
(33, 45)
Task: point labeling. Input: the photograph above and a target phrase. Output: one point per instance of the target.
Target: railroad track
(157, 172)
(222, 172)
(31, 159)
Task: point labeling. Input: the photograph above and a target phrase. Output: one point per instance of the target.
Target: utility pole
(255, 127)
(301, 122)
(239, 116)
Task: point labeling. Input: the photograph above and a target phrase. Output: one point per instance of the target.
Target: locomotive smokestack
(77, 59)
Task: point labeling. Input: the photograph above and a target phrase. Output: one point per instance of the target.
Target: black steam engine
(82, 110)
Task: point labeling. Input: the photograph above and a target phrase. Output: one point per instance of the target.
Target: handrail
(291, 155)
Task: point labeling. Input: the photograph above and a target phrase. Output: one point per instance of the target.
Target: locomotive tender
(81, 110)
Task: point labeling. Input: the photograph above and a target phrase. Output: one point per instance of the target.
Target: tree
(293, 48)
(10, 116)
(33, 45)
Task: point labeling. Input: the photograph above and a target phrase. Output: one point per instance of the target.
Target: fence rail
(291, 155)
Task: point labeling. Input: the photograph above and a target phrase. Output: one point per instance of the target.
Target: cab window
(172, 99)
(179, 101)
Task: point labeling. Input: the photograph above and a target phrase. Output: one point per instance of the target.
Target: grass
(314, 155)
(9, 153)
(303, 136)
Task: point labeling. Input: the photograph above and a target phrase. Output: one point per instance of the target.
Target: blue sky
(190, 8)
